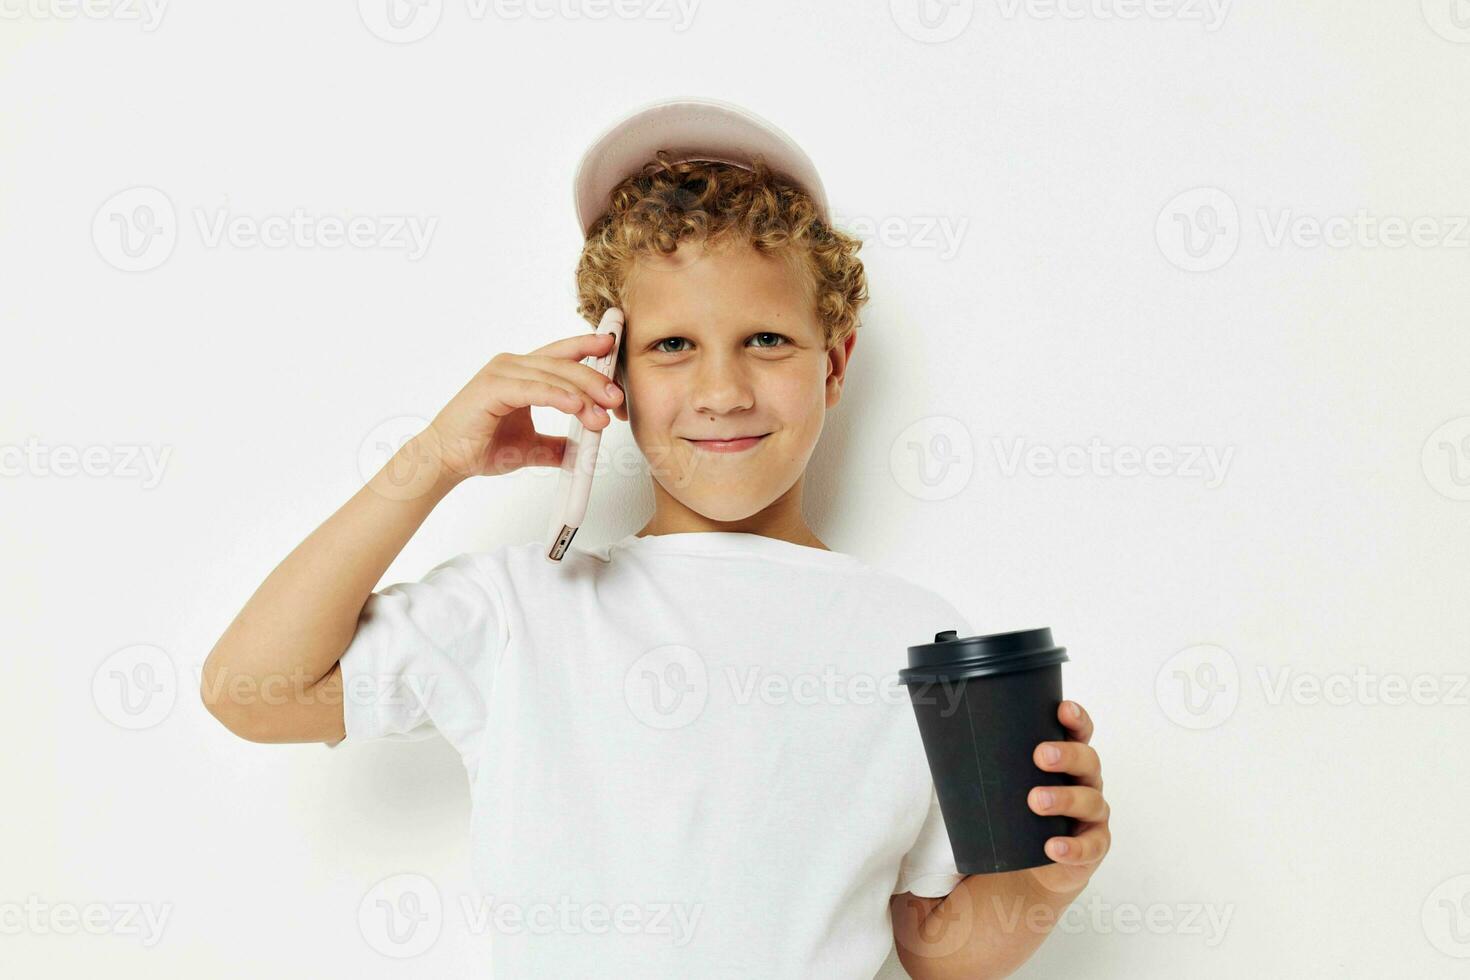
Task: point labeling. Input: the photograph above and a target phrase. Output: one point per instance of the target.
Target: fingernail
(1051, 753)
(1059, 848)
(1073, 710)
(1044, 799)
(601, 412)
(612, 390)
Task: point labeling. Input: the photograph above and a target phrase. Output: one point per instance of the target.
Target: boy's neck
(780, 519)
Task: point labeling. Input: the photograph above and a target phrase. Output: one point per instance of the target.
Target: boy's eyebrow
(771, 323)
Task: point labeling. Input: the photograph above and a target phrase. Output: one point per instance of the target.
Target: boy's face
(719, 344)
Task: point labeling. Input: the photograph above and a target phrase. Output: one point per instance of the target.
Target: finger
(516, 391)
(1076, 720)
(1080, 802)
(519, 367)
(1088, 847)
(577, 347)
(585, 377)
(575, 401)
(1075, 758)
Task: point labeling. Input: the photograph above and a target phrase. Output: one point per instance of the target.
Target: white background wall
(1258, 831)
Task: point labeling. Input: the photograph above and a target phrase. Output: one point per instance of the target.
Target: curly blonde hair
(717, 203)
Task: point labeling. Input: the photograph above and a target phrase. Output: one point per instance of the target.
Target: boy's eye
(776, 339)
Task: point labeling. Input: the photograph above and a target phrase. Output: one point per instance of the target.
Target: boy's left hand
(1076, 857)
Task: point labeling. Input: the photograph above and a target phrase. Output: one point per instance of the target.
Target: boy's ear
(620, 378)
(838, 358)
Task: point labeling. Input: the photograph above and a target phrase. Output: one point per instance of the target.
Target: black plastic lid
(951, 657)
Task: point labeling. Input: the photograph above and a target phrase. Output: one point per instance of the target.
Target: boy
(697, 724)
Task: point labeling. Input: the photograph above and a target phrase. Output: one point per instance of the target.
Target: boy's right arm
(274, 675)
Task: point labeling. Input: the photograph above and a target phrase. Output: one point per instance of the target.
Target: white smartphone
(574, 482)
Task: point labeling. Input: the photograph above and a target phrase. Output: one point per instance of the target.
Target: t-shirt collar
(729, 544)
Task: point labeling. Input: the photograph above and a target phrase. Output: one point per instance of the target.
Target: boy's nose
(720, 392)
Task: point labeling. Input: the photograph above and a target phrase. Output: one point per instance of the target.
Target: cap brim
(690, 129)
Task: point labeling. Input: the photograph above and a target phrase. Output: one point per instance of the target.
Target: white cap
(690, 129)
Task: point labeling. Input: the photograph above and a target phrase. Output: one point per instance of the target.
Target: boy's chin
(720, 503)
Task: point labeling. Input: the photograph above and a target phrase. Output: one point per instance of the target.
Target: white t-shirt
(689, 755)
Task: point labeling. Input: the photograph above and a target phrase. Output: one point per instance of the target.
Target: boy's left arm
(991, 924)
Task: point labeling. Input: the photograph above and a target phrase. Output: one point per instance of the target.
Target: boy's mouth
(733, 445)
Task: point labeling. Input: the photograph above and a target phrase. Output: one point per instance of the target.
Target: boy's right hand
(486, 429)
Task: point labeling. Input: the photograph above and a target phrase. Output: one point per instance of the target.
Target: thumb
(547, 450)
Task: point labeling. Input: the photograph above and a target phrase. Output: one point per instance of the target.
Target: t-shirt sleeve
(928, 869)
(424, 655)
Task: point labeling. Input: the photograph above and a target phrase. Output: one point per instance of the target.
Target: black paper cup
(983, 703)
